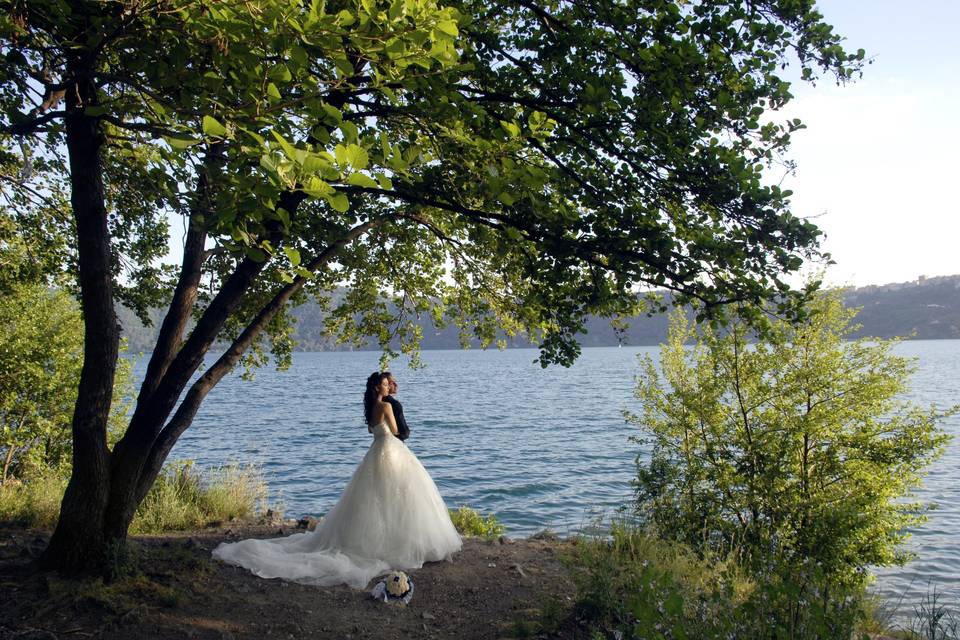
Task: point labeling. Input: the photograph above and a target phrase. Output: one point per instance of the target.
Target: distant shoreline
(928, 309)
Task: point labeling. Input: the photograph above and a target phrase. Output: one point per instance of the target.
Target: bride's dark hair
(370, 394)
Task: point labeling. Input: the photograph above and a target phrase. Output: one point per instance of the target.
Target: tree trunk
(78, 543)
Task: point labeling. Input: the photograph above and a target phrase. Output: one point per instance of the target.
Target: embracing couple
(389, 517)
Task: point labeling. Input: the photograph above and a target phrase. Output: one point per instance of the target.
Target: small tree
(797, 449)
(41, 354)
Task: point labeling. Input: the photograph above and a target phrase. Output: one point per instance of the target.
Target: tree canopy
(504, 166)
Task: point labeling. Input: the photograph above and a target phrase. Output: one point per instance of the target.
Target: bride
(390, 516)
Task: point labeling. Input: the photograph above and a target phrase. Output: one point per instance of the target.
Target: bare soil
(492, 589)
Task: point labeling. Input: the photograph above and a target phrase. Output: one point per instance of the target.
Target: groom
(403, 431)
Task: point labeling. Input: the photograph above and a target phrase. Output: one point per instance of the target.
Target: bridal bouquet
(395, 587)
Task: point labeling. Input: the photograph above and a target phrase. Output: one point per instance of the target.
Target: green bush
(787, 444)
(639, 585)
(647, 587)
(469, 522)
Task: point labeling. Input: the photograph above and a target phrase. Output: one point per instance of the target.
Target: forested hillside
(928, 309)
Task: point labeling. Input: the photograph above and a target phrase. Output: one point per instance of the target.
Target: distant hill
(927, 309)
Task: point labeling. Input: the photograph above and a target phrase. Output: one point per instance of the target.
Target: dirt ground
(492, 589)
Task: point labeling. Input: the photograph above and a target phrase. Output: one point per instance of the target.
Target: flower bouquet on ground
(396, 586)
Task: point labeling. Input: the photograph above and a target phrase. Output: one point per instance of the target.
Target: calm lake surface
(538, 447)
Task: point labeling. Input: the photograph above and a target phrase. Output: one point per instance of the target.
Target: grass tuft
(34, 503)
(469, 522)
(182, 498)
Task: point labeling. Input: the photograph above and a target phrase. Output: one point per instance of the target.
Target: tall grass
(34, 503)
(182, 498)
(635, 585)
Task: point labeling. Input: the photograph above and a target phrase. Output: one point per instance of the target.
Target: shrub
(469, 522)
(791, 447)
(639, 585)
(645, 587)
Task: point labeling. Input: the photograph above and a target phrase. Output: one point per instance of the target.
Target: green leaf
(317, 188)
(350, 132)
(288, 149)
(335, 114)
(362, 180)
(213, 128)
(273, 92)
(255, 254)
(315, 163)
(292, 255)
(339, 202)
(280, 73)
(283, 215)
(449, 27)
(511, 128)
(179, 144)
(351, 155)
(384, 182)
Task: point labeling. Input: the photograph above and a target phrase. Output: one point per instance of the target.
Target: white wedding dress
(390, 517)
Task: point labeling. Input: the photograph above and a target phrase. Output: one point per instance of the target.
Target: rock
(307, 522)
(506, 540)
(426, 615)
(272, 518)
(545, 535)
(519, 570)
(492, 565)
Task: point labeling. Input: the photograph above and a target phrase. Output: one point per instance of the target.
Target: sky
(877, 163)
(876, 167)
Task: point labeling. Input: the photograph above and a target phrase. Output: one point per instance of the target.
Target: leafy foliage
(795, 451)
(544, 157)
(469, 522)
(41, 353)
(639, 585)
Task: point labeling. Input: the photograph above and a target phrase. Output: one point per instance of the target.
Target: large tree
(507, 166)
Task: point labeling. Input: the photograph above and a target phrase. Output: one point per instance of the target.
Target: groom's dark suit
(403, 431)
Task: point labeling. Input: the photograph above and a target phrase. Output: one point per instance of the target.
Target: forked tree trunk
(78, 542)
(106, 488)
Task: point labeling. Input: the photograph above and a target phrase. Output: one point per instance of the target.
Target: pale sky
(876, 167)
(878, 157)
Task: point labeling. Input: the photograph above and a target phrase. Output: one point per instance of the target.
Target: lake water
(540, 448)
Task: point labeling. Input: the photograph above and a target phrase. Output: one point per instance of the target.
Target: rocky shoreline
(492, 589)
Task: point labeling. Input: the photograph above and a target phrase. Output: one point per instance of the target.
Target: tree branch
(187, 410)
(26, 128)
(175, 321)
